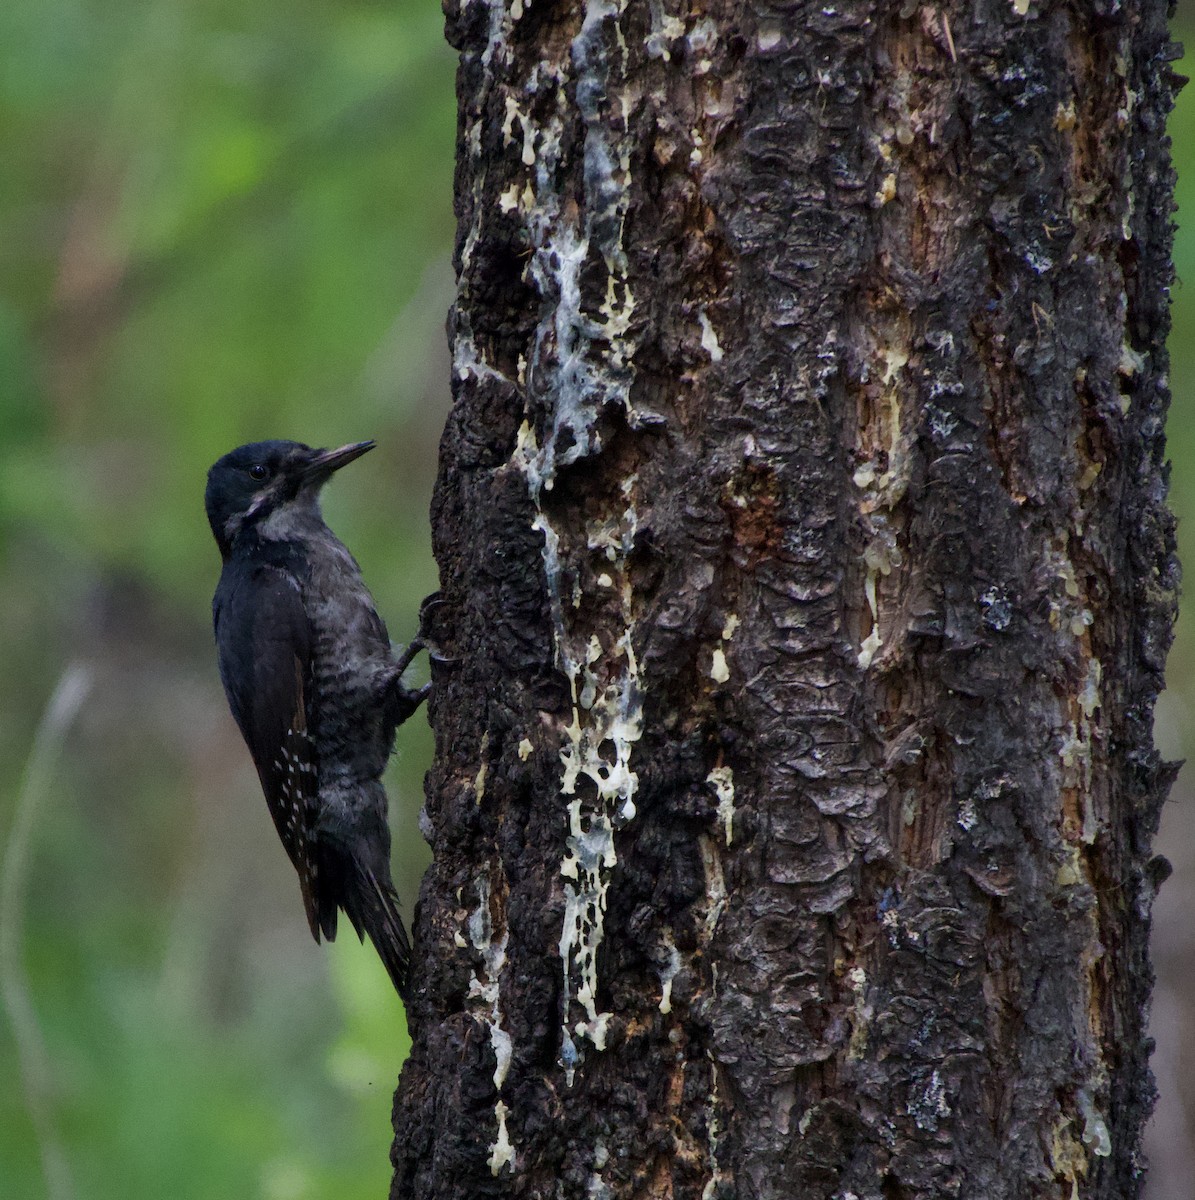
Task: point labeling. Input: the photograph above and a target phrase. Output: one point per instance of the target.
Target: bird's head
(267, 481)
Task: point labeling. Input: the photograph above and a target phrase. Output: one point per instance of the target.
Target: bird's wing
(264, 647)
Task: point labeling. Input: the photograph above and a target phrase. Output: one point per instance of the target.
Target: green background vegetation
(220, 222)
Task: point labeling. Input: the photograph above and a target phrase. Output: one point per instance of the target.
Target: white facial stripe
(258, 502)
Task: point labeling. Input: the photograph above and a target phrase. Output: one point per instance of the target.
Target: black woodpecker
(312, 682)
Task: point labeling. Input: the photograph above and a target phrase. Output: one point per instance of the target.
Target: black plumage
(312, 683)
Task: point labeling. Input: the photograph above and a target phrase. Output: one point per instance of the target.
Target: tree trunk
(803, 538)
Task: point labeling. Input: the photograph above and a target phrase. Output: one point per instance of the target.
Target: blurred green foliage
(220, 222)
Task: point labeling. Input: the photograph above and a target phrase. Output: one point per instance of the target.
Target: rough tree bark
(802, 529)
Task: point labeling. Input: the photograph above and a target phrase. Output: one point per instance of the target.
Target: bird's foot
(407, 657)
(402, 702)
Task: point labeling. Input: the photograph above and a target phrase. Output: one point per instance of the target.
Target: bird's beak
(324, 462)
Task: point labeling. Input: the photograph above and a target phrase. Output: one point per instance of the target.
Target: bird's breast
(350, 655)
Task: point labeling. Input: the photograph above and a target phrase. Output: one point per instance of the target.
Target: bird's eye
(258, 471)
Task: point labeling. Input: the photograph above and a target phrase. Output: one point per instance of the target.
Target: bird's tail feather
(371, 903)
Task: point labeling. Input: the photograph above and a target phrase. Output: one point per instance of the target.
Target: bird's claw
(430, 602)
(424, 637)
